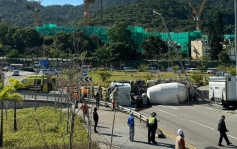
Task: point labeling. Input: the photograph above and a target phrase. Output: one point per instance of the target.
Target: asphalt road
(199, 123)
(22, 75)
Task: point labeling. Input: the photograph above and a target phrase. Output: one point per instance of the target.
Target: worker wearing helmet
(76, 98)
(152, 126)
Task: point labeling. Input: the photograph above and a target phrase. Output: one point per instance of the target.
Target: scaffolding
(138, 34)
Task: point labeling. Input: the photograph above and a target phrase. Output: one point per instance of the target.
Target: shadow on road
(158, 144)
(107, 134)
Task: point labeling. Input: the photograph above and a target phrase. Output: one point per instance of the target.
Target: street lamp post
(236, 43)
(181, 64)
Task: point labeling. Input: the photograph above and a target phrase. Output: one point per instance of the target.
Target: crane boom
(194, 10)
(197, 15)
(202, 6)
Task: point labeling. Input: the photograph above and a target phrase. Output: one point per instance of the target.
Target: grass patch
(54, 131)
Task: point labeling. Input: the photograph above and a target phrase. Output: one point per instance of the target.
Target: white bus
(16, 66)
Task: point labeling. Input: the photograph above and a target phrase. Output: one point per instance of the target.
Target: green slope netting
(138, 34)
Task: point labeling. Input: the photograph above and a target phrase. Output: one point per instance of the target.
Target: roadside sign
(84, 73)
(86, 79)
(43, 62)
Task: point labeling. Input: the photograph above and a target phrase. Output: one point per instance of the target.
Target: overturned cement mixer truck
(168, 93)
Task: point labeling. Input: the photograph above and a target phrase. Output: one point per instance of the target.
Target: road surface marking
(174, 136)
(201, 124)
(167, 112)
(232, 137)
(171, 107)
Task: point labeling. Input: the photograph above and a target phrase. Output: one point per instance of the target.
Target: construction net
(138, 34)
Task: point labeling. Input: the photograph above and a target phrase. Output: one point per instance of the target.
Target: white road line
(201, 124)
(171, 107)
(167, 112)
(232, 137)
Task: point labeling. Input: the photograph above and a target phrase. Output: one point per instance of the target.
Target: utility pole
(235, 1)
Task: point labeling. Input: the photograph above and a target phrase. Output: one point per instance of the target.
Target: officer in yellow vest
(152, 126)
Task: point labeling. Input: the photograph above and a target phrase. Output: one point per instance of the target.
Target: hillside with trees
(177, 13)
(15, 12)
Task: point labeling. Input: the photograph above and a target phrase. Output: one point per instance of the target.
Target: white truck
(223, 89)
(123, 97)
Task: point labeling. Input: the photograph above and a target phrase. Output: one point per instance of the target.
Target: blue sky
(62, 2)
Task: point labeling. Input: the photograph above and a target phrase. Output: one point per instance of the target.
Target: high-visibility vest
(76, 96)
(85, 91)
(152, 120)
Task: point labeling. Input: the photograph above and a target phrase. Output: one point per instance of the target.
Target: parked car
(6, 68)
(193, 70)
(152, 69)
(15, 73)
(47, 72)
(211, 70)
(129, 68)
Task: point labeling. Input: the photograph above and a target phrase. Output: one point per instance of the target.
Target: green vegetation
(15, 12)
(142, 68)
(137, 13)
(177, 13)
(54, 131)
(133, 75)
(104, 75)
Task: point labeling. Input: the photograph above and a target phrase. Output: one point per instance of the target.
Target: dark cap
(153, 114)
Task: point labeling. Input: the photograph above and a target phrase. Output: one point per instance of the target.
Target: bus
(16, 66)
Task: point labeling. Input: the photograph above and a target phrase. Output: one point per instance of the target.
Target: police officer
(152, 126)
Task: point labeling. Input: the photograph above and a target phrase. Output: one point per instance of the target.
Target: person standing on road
(152, 126)
(97, 100)
(84, 109)
(180, 143)
(222, 129)
(114, 97)
(96, 118)
(131, 127)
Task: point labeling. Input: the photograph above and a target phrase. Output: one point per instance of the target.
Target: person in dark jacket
(96, 118)
(97, 98)
(152, 126)
(222, 129)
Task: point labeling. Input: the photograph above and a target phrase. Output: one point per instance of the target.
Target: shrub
(197, 77)
(142, 68)
(202, 68)
(104, 75)
(148, 76)
(175, 68)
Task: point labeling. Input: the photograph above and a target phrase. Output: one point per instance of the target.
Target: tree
(16, 84)
(119, 32)
(223, 56)
(61, 42)
(6, 95)
(120, 50)
(3, 31)
(121, 46)
(216, 36)
(154, 47)
(102, 54)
